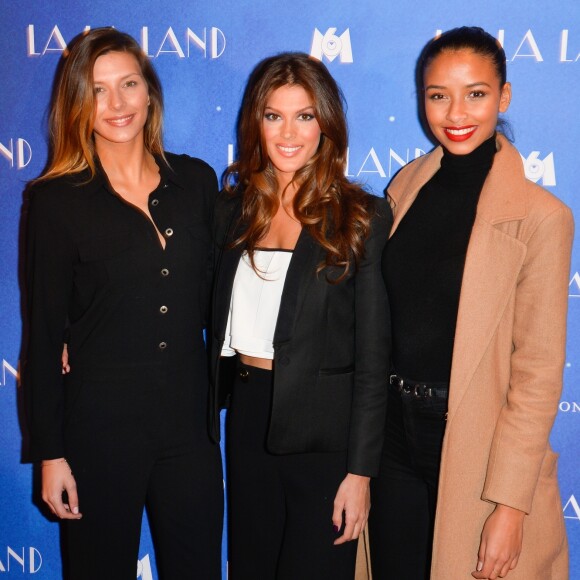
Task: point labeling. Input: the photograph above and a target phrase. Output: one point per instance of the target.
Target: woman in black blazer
(118, 253)
(300, 301)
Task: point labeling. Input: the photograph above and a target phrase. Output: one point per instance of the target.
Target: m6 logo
(330, 45)
(537, 168)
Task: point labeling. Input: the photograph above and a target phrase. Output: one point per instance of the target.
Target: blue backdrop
(203, 52)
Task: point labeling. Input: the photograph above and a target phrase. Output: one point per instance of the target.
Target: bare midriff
(254, 361)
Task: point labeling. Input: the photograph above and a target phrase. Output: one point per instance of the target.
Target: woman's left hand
(353, 498)
(501, 543)
(64, 360)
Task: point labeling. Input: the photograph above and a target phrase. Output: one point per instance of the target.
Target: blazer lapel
(300, 275)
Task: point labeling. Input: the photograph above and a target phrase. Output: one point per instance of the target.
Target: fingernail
(335, 528)
(479, 566)
(75, 510)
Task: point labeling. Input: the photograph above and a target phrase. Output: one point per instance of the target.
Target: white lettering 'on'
(569, 407)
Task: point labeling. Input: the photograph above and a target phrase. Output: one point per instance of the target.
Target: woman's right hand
(57, 477)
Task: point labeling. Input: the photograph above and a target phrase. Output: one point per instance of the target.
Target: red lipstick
(459, 134)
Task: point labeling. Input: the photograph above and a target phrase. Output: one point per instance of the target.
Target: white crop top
(255, 303)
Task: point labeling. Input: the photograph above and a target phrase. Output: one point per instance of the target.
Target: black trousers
(144, 443)
(280, 506)
(404, 496)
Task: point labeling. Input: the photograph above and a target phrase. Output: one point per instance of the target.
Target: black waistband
(244, 372)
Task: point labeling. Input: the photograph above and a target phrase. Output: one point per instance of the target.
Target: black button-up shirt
(97, 270)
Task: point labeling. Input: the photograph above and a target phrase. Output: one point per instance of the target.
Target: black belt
(419, 389)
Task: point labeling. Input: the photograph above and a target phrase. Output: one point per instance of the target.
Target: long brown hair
(73, 105)
(334, 211)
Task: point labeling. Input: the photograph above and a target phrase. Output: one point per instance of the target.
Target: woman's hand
(56, 478)
(353, 498)
(501, 543)
(64, 360)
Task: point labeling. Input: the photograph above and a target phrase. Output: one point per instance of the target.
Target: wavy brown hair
(335, 212)
(73, 105)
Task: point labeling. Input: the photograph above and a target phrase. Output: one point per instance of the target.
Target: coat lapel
(407, 184)
(491, 269)
(492, 265)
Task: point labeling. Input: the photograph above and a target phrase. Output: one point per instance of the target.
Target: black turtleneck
(423, 265)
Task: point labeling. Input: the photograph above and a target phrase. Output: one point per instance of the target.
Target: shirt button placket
(163, 309)
(168, 232)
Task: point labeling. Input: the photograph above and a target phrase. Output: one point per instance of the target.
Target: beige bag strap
(363, 557)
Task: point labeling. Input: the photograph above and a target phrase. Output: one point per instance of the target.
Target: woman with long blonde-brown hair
(299, 309)
(117, 255)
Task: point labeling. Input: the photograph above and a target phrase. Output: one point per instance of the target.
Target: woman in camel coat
(498, 511)
(502, 402)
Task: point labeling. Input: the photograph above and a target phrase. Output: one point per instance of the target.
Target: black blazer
(331, 346)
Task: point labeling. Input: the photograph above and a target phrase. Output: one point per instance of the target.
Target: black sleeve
(201, 178)
(49, 279)
(373, 351)
(210, 193)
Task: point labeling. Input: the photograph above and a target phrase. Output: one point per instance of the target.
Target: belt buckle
(397, 381)
(418, 390)
(423, 391)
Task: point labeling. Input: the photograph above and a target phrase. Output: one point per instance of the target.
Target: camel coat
(506, 375)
